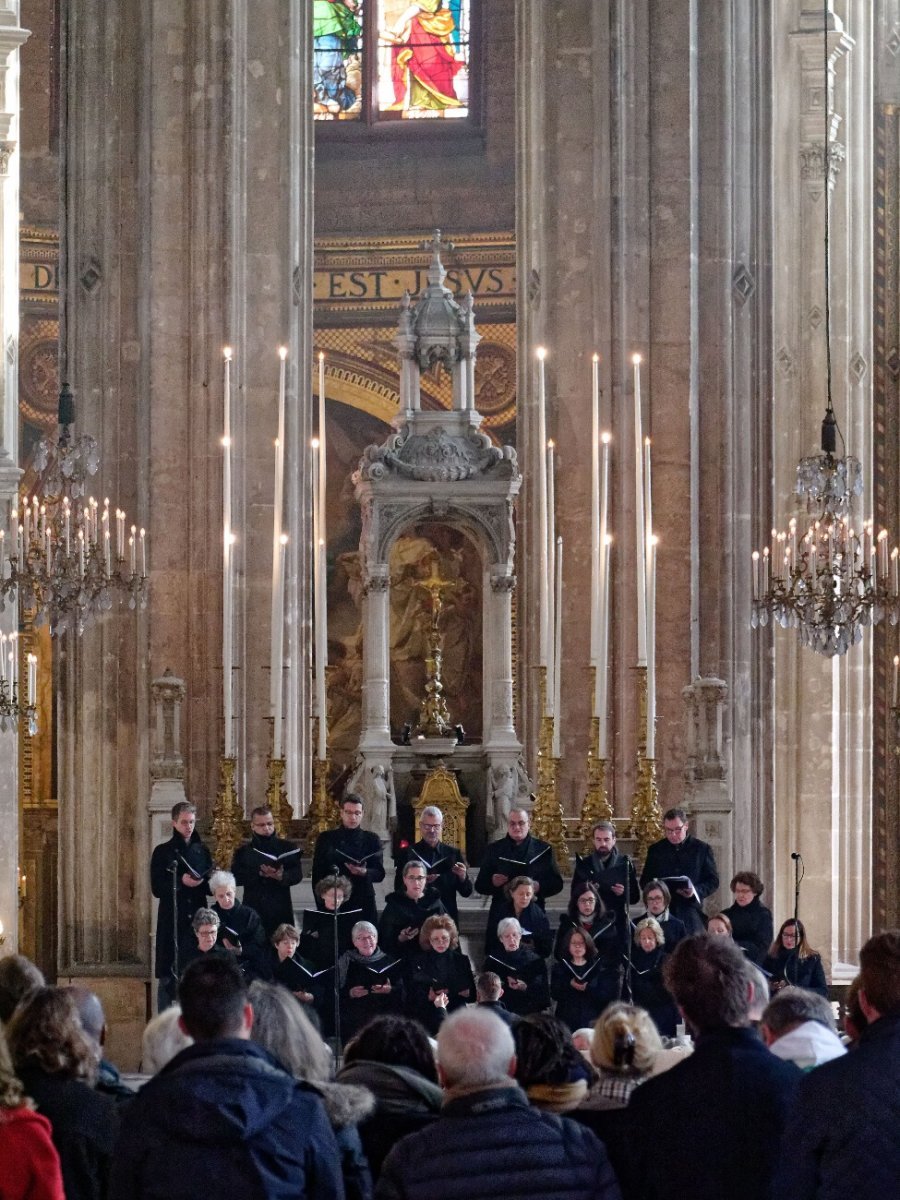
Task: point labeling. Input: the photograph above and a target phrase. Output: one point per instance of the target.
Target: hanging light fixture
(69, 558)
(833, 579)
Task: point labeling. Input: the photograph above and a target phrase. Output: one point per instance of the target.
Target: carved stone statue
(375, 785)
(509, 786)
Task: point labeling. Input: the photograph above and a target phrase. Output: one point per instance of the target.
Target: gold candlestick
(276, 797)
(323, 811)
(547, 818)
(595, 806)
(646, 814)
(227, 827)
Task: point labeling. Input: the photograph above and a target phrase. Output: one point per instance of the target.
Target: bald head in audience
(18, 977)
(475, 1050)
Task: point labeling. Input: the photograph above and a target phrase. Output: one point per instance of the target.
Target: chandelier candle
(321, 558)
(543, 580)
(278, 562)
(640, 546)
(595, 505)
(652, 543)
(602, 608)
(227, 563)
(557, 647)
(551, 575)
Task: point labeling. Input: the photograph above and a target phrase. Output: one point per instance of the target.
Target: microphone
(795, 855)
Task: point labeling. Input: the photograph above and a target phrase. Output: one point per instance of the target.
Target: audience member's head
(12, 1094)
(282, 1027)
(18, 976)
(760, 997)
(625, 1040)
(397, 1041)
(709, 980)
(548, 1067)
(879, 976)
(163, 1038)
(475, 1050)
(855, 1019)
(488, 987)
(794, 1006)
(213, 998)
(90, 1013)
(45, 1032)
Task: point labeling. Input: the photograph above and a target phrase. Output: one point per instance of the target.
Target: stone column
(11, 38)
(822, 757)
(707, 795)
(376, 730)
(498, 691)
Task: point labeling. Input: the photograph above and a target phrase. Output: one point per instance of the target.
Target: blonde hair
(649, 923)
(625, 1027)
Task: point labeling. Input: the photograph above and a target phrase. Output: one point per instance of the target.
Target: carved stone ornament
(6, 150)
(438, 456)
(376, 583)
(813, 161)
(503, 583)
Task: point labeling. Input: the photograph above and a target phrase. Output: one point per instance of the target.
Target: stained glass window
(338, 55)
(423, 59)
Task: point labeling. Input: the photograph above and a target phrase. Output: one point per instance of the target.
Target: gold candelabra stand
(547, 818)
(276, 797)
(595, 806)
(323, 811)
(646, 814)
(227, 827)
(434, 718)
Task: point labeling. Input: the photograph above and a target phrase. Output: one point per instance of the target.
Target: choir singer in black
(354, 853)
(267, 867)
(445, 865)
(686, 866)
(518, 854)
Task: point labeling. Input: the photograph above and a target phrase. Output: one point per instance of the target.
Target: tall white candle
(651, 646)
(544, 582)
(640, 531)
(602, 603)
(321, 659)
(551, 576)
(603, 663)
(227, 566)
(896, 680)
(323, 457)
(277, 628)
(2, 658)
(31, 698)
(557, 646)
(596, 536)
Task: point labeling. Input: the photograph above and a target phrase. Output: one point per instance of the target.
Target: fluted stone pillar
(500, 732)
(376, 727)
(11, 38)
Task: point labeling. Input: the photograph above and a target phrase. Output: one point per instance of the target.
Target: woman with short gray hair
(370, 982)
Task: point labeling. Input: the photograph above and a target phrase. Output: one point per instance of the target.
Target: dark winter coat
(530, 857)
(224, 1114)
(492, 1143)
(405, 1102)
(786, 966)
(604, 873)
(347, 1106)
(714, 1122)
(648, 990)
(692, 858)
(356, 971)
(603, 932)
(576, 1008)
(330, 858)
(521, 964)
(245, 922)
(402, 912)
(437, 860)
(188, 899)
(271, 898)
(842, 1136)
(84, 1125)
(751, 928)
(450, 971)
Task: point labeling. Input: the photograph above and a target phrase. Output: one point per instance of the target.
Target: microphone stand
(175, 972)
(799, 872)
(630, 874)
(336, 989)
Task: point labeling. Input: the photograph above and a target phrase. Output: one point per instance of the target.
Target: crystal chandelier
(833, 579)
(14, 706)
(70, 558)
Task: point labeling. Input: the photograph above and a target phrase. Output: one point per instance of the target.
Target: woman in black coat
(57, 1064)
(439, 978)
(519, 901)
(240, 928)
(370, 982)
(657, 898)
(647, 988)
(406, 912)
(588, 913)
(522, 972)
(751, 921)
(791, 963)
(578, 982)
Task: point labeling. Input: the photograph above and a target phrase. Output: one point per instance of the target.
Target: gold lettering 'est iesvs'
(367, 286)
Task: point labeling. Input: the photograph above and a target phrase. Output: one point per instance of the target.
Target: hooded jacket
(29, 1163)
(224, 1110)
(809, 1045)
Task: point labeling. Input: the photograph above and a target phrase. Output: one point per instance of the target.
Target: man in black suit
(609, 870)
(445, 865)
(679, 854)
(728, 1101)
(267, 867)
(518, 854)
(354, 853)
(185, 857)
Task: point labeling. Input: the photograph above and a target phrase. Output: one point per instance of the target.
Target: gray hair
(162, 1040)
(221, 879)
(508, 923)
(760, 990)
(792, 1006)
(414, 862)
(475, 1049)
(363, 927)
(431, 810)
(205, 916)
(282, 1027)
